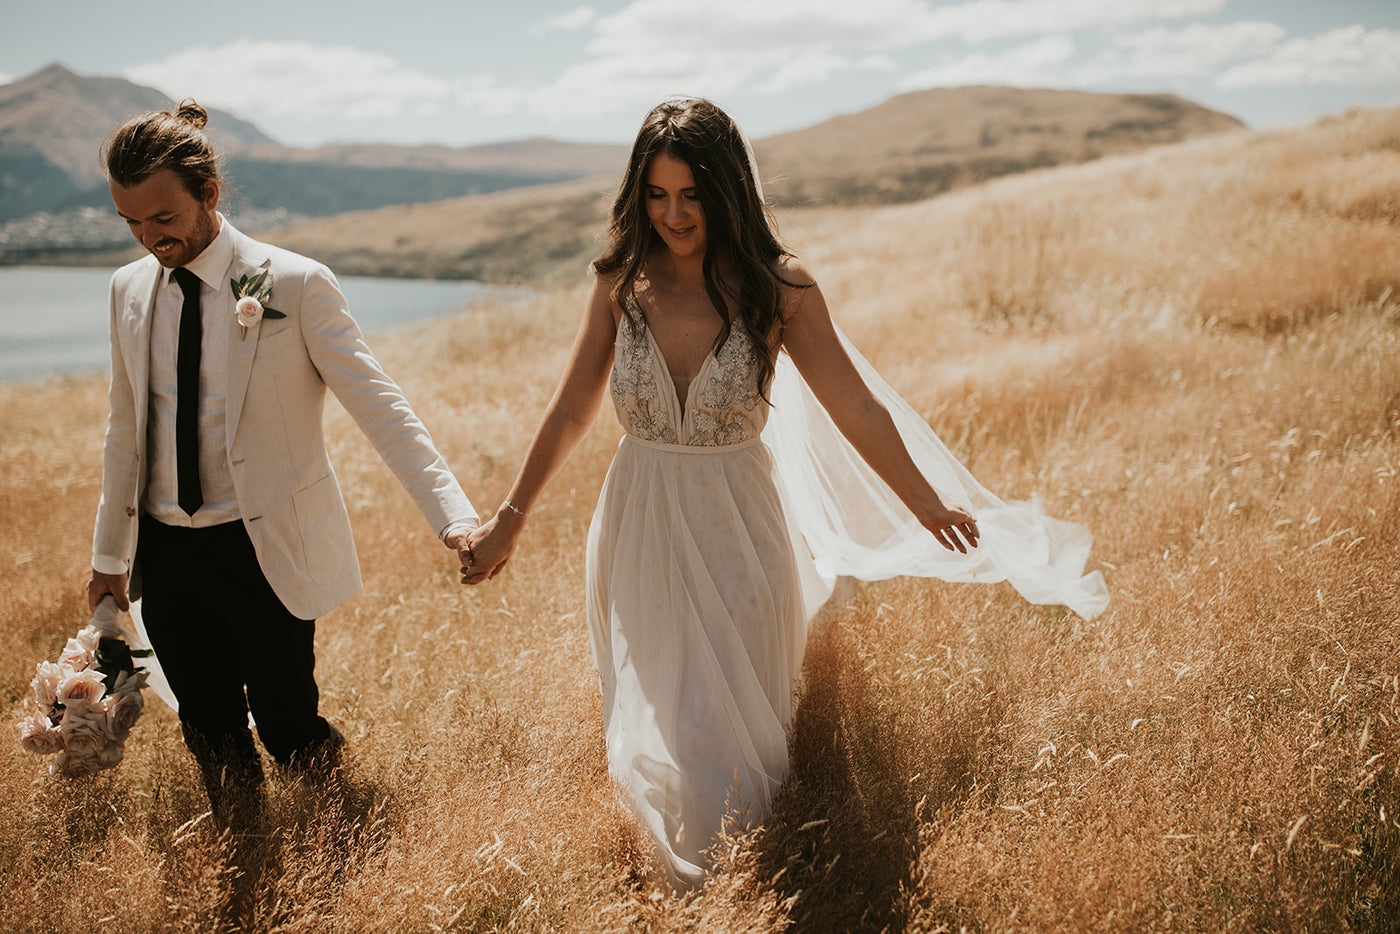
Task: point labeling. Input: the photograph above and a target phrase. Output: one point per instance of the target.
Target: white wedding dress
(716, 540)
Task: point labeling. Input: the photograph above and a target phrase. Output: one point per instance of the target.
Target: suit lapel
(136, 321)
(249, 258)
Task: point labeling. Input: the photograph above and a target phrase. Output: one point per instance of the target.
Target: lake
(53, 320)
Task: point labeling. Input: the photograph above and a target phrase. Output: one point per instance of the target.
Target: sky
(461, 72)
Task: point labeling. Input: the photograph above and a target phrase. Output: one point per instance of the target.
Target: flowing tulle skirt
(705, 564)
(698, 620)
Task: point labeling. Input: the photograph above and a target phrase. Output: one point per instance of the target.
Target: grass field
(1194, 351)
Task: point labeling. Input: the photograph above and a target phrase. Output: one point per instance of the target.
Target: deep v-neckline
(683, 403)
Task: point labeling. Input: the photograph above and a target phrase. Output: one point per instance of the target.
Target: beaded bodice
(722, 405)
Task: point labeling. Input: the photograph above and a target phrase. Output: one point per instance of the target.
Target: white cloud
(619, 82)
(1352, 56)
(790, 25)
(281, 78)
(483, 94)
(878, 63)
(871, 24)
(572, 21)
(1192, 51)
(983, 20)
(6, 78)
(1043, 62)
(813, 66)
(653, 48)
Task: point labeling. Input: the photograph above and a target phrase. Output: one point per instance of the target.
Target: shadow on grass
(842, 844)
(318, 833)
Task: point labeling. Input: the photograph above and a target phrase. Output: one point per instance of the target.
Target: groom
(219, 506)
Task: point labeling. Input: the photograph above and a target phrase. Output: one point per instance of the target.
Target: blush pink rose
(83, 735)
(80, 650)
(45, 684)
(81, 689)
(74, 658)
(37, 735)
(129, 681)
(249, 311)
(123, 710)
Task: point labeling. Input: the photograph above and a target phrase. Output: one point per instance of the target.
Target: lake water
(53, 320)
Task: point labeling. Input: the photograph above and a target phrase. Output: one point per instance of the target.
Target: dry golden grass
(1195, 352)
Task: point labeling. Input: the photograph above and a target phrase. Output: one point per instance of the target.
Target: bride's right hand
(947, 524)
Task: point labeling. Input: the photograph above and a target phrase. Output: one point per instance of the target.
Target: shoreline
(53, 319)
(115, 259)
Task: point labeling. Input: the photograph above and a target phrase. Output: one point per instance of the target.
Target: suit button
(131, 512)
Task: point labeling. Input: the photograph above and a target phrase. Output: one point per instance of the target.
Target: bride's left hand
(954, 528)
(488, 548)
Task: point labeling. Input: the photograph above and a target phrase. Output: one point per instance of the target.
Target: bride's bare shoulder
(793, 272)
(799, 286)
(604, 279)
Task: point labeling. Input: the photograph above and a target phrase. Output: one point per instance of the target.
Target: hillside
(542, 235)
(923, 143)
(911, 147)
(1192, 351)
(429, 216)
(52, 124)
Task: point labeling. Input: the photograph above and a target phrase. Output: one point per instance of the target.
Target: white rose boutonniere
(250, 296)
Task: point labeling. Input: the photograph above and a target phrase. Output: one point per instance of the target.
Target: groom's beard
(173, 252)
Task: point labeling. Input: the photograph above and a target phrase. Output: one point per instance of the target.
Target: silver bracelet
(514, 508)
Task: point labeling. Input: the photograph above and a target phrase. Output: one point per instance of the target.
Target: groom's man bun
(164, 139)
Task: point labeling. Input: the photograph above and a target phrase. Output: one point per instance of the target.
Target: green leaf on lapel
(257, 287)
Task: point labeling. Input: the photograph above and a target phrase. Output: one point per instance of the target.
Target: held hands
(486, 549)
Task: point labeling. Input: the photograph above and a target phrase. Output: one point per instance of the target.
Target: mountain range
(911, 147)
(526, 209)
(53, 123)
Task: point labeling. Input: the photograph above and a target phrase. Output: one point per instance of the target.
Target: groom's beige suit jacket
(278, 374)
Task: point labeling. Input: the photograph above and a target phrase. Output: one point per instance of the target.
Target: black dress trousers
(227, 645)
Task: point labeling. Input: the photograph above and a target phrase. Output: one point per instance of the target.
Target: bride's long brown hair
(740, 235)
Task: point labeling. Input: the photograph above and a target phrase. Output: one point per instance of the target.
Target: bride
(719, 530)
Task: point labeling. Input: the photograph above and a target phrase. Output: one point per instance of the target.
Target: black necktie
(187, 394)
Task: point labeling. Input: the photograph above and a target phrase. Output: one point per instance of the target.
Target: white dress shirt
(161, 498)
(216, 311)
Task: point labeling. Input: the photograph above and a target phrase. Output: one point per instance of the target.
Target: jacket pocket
(324, 525)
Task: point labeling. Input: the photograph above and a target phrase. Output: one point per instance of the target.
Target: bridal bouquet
(88, 700)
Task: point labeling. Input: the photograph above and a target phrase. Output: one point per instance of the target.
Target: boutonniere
(250, 296)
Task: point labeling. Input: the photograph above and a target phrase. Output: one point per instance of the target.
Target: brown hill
(61, 118)
(542, 234)
(911, 147)
(926, 142)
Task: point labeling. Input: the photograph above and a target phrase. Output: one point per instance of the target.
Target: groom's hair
(164, 139)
